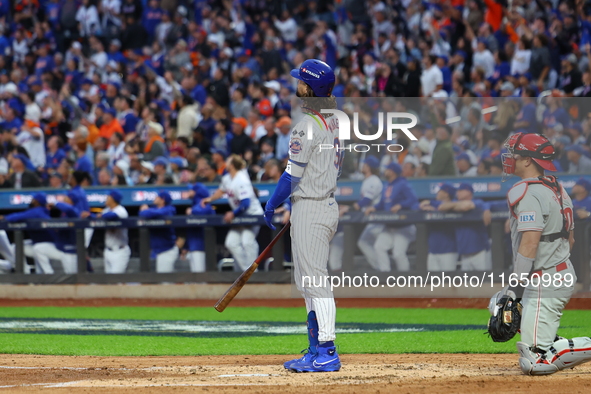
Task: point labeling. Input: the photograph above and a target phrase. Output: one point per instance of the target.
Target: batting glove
(269, 212)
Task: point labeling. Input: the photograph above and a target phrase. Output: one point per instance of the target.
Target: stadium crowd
(163, 91)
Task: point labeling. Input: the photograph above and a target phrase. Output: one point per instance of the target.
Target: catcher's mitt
(505, 319)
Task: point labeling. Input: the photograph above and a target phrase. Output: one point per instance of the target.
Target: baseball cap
(466, 186)
(163, 194)
(41, 198)
(576, 148)
(585, 183)
(200, 191)
(394, 167)
(116, 195)
(218, 151)
(507, 86)
(264, 107)
(111, 111)
(241, 121)
(276, 86)
(122, 165)
(463, 156)
(372, 162)
(160, 161)
(449, 189)
(283, 121)
(157, 127)
(179, 161)
(148, 165)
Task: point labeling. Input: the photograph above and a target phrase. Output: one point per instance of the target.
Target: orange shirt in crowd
(107, 130)
(494, 14)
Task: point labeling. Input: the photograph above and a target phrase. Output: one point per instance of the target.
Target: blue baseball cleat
(322, 359)
(306, 358)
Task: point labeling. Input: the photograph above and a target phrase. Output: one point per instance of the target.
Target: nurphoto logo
(390, 119)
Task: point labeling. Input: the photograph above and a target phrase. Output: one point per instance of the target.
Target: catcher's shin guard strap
(312, 329)
(568, 353)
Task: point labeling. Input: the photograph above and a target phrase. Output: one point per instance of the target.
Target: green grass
(575, 323)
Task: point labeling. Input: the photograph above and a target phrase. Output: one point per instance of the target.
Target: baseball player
(117, 251)
(195, 238)
(471, 238)
(443, 251)
(311, 180)
(241, 241)
(37, 210)
(371, 192)
(65, 239)
(163, 239)
(542, 235)
(396, 196)
(77, 180)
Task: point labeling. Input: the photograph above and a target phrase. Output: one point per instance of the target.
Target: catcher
(542, 236)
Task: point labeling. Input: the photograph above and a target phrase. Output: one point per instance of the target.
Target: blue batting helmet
(318, 75)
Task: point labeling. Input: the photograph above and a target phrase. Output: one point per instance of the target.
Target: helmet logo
(305, 70)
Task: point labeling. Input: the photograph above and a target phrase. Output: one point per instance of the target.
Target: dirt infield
(438, 373)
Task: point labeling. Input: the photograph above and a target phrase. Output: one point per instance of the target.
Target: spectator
(155, 147)
(431, 78)
(442, 162)
(241, 143)
(116, 150)
(464, 165)
(187, 118)
(581, 198)
(579, 163)
(206, 172)
(110, 124)
(22, 177)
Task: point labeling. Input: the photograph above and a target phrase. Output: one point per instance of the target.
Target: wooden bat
(245, 276)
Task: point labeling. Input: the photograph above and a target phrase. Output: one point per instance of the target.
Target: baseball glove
(505, 320)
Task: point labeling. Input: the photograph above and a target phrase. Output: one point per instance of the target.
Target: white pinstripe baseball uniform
(117, 251)
(315, 213)
(241, 241)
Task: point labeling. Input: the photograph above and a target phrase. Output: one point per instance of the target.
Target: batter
(311, 179)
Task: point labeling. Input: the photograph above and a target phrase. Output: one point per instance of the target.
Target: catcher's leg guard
(568, 353)
(534, 363)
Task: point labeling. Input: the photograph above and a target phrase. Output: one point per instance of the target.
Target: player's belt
(560, 267)
(331, 195)
(552, 237)
(116, 248)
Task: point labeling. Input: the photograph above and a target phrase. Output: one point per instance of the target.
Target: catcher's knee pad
(534, 363)
(568, 353)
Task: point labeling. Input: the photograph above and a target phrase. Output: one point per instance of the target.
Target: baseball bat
(245, 276)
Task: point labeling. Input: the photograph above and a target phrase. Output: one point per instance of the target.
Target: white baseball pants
(165, 260)
(242, 243)
(442, 262)
(197, 261)
(313, 224)
(116, 261)
(395, 239)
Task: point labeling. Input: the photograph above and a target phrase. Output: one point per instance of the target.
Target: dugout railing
(352, 224)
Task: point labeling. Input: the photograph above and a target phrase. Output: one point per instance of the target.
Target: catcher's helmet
(536, 146)
(318, 75)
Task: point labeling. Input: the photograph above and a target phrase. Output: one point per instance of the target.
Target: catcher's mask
(536, 146)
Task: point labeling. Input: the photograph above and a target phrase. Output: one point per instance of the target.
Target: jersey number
(340, 154)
